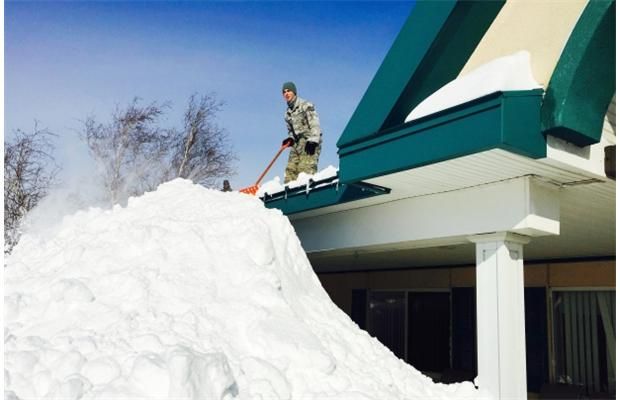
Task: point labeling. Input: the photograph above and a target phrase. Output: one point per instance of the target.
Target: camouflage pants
(299, 161)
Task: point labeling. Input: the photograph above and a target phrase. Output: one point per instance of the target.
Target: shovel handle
(260, 178)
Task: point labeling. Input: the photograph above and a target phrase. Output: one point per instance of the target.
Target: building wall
(563, 301)
(589, 274)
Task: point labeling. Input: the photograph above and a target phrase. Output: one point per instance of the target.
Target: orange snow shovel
(251, 190)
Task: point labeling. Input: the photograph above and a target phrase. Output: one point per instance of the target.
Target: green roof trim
(506, 120)
(292, 201)
(431, 49)
(584, 80)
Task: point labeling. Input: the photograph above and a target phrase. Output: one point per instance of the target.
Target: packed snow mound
(186, 293)
(512, 72)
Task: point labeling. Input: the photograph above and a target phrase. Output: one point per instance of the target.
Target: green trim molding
(584, 80)
(504, 120)
(431, 49)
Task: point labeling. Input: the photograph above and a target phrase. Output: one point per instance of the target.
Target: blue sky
(65, 61)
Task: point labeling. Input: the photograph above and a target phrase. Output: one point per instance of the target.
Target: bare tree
(135, 154)
(129, 149)
(201, 151)
(29, 172)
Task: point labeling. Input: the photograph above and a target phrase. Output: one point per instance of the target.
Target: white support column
(501, 314)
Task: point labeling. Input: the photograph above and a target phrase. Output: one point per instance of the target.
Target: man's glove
(310, 148)
(288, 142)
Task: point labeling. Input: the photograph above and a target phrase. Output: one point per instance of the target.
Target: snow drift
(186, 293)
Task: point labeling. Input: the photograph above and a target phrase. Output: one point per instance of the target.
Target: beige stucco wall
(541, 27)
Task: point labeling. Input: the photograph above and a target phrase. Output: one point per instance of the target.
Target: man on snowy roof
(304, 134)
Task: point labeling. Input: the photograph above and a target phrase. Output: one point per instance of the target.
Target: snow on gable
(512, 72)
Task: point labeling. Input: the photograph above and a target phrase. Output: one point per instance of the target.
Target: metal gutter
(323, 193)
(505, 120)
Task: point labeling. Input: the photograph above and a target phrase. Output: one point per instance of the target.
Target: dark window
(464, 351)
(429, 331)
(536, 338)
(584, 340)
(386, 319)
(358, 307)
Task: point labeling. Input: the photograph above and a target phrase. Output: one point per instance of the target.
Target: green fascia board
(584, 80)
(431, 49)
(505, 120)
(324, 196)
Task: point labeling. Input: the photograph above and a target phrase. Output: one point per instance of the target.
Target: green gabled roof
(430, 51)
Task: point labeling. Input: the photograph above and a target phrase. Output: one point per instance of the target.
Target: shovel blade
(251, 190)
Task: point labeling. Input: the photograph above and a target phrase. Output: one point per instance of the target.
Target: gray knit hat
(290, 86)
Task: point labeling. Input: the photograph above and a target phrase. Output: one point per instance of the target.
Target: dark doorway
(429, 331)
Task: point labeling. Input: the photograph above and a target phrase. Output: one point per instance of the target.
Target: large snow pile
(512, 72)
(186, 293)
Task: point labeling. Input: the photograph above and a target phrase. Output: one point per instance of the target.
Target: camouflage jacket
(302, 120)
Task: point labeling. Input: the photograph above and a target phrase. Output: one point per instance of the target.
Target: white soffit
(474, 170)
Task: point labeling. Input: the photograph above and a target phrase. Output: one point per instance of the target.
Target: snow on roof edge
(512, 72)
